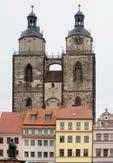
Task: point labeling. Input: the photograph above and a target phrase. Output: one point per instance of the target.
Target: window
(61, 125)
(85, 152)
(28, 73)
(111, 136)
(105, 152)
(28, 102)
(1, 140)
(32, 142)
(106, 137)
(111, 152)
(98, 137)
(8, 140)
(69, 125)
(45, 154)
(26, 131)
(16, 140)
(51, 154)
(78, 139)
(26, 154)
(33, 117)
(32, 154)
(32, 132)
(86, 139)
(45, 142)
(51, 142)
(61, 152)
(39, 142)
(46, 132)
(1, 152)
(86, 125)
(40, 132)
(98, 152)
(62, 139)
(17, 152)
(51, 131)
(77, 152)
(69, 139)
(77, 101)
(53, 85)
(47, 117)
(39, 154)
(69, 152)
(26, 142)
(78, 73)
(78, 126)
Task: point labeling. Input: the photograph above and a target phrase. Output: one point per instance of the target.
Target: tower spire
(32, 18)
(79, 18)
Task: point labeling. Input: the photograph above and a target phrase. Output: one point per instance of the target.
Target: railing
(78, 52)
(29, 53)
(57, 56)
(52, 56)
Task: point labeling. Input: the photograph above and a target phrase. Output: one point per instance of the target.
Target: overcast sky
(56, 17)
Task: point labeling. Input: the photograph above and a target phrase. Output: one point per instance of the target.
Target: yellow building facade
(74, 140)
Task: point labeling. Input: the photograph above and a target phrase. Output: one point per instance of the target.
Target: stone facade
(74, 83)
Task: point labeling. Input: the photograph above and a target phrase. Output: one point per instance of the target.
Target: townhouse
(103, 139)
(10, 128)
(74, 135)
(39, 136)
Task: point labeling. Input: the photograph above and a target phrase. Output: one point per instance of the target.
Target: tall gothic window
(77, 101)
(28, 102)
(28, 73)
(78, 73)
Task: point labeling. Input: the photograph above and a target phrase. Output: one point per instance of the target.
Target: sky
(56, 18)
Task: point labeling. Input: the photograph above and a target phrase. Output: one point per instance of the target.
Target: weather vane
(79, 6)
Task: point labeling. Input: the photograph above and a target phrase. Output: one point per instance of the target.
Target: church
(36, 85)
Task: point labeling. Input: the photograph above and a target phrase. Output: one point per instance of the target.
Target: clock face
(78, 40)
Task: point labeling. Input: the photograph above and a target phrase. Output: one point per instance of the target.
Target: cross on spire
(79, 6)
(32, 7)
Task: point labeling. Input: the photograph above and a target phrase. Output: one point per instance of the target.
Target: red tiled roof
(80, 112)
(10, 123)
(53, 76)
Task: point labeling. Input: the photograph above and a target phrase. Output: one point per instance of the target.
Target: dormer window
(48, 116)
(33, 117)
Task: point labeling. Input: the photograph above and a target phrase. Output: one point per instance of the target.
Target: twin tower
(37, 85)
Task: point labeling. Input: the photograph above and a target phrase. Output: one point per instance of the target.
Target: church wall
(53, 92)
(35, 90)
(32, 44)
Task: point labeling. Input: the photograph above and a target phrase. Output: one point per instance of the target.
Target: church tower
(79, 66)
(28, 67)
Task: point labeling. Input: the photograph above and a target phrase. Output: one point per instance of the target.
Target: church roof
(32, 32)
(53, 76)
(79, 31)
(32, 14)
(79, 13)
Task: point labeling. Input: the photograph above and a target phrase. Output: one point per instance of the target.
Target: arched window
(77, 101)
(78, 73)
(28, 73)
(28, 102)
